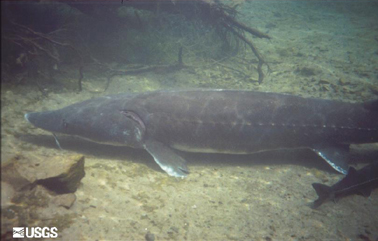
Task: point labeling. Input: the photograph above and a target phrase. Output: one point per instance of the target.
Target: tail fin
(323, 191)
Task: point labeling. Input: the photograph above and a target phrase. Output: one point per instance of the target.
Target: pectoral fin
(335, 156)
(167, 159)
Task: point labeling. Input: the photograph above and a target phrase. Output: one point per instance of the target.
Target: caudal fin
(323, 191)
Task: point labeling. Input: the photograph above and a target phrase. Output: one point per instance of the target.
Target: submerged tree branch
(34, 45)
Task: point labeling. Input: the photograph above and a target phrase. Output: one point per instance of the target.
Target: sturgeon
(216, 121)
(361, 182)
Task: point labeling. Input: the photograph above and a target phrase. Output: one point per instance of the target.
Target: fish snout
(49, 120)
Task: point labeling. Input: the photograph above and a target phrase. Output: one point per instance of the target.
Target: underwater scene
(189, 120)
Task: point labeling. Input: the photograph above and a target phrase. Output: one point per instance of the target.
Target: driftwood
(142, 69)
(227, 17)
(46, 46)
(212, 12)
(254, 50)
(35, 43)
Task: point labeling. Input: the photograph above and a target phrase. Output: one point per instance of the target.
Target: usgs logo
(35, 232)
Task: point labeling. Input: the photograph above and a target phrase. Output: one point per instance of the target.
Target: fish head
(92, 122)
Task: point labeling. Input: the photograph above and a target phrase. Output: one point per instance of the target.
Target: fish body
(216, 121)
(361, 182)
